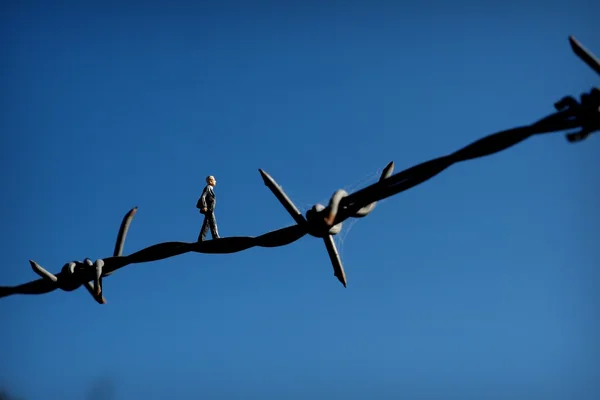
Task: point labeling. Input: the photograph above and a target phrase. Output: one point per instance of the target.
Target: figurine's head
(211, 180)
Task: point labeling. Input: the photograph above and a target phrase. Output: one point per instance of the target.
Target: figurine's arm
(203, 197)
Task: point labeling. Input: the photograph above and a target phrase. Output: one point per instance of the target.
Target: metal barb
(587, 56)
(282, 197)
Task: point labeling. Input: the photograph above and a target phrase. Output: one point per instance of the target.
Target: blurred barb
(589, 108)
(587, 56)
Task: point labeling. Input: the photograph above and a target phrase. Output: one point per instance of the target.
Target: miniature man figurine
(206, 204)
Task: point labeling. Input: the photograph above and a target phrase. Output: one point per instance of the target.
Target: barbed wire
(324, 221)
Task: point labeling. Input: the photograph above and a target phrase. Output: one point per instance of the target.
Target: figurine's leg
(99, 298)
(214, 231)
(204, 229)
(38, 269)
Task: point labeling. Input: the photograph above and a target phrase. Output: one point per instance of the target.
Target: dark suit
(208, 200)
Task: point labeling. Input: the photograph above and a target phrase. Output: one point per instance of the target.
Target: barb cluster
(324, 221)
(320, 220)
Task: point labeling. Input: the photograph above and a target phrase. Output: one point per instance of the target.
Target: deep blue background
(480, 283)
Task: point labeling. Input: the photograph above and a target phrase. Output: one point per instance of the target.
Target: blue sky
(480, 283)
